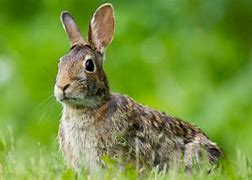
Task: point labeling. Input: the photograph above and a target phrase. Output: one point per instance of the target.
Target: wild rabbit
(97, 123)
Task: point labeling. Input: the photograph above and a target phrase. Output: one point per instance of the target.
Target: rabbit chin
(77, 100)
(81, 102)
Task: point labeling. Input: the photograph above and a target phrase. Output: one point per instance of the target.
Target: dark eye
(89, 65)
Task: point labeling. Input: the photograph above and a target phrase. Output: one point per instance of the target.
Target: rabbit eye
(89, 65)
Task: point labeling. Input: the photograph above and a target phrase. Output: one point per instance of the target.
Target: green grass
(39, 163)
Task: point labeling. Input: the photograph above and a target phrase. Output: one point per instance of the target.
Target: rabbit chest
(78, 140)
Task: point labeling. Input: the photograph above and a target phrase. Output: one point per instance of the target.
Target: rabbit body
(96, 123)
(124, 129)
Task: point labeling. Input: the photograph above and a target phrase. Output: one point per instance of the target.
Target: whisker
(45, 100)
(46, 110)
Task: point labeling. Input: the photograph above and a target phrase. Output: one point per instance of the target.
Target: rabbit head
(81, 80)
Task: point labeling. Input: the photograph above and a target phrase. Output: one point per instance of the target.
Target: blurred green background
(189, 58)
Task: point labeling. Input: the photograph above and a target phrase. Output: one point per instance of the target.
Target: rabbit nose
(63, 88)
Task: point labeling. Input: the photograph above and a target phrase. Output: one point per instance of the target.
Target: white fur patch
(80, 143)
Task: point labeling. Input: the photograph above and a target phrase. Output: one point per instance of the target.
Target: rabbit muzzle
(62, 93)
(69, 94)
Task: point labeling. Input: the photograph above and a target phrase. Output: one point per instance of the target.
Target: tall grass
(17, 162)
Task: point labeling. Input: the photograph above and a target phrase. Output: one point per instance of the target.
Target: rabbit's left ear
(101, 27)
(71, 28)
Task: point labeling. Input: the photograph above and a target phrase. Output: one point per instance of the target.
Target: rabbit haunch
(96, 123)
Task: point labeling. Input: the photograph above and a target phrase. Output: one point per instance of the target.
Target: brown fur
(96, 123)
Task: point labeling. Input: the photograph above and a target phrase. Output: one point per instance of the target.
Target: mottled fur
(121, 124)
(96, 123)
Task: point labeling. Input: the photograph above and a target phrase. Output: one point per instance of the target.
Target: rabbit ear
(71, 28)
(101, 27)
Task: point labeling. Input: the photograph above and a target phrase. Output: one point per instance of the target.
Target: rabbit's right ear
(101, 27)
(71, 29)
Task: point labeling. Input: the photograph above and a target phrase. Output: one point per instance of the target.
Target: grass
(37, 162)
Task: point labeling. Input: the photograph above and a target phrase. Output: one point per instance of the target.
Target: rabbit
(97, 123)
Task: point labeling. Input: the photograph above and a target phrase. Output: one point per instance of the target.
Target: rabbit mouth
(74, 101)
(67, 98)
